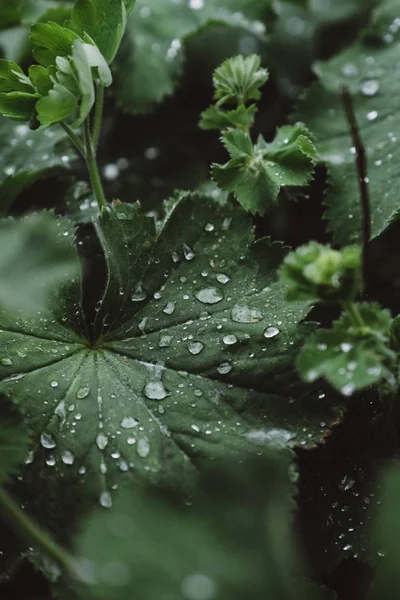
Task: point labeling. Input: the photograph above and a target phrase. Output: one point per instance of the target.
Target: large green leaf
(369, 68)
(235, 541)
(190, 358)
(27, 155)
(151, 57)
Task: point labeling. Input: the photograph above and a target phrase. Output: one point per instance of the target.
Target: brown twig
(361, 163)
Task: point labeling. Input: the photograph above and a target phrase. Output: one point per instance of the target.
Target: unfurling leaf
(317, 272)
(256, 173)
(239, 79)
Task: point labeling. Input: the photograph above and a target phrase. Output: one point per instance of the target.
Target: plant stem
(77, 142)
(92, 166)
(98, 114)
(352, 309)
(20, 522)
(361, 161)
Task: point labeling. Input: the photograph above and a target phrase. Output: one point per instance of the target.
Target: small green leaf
(50, 40)
(58, 105)
(256, 173)
(12, 78)
(318, 272)
(40, 78)
(234, 543)
(241, 118)
(350, 358)
(239, 79)
(14, 439)
(17, 105)
(103, 21)
(44, 257)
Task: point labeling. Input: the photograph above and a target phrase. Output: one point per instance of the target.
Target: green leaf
(17, 105)
(41, 80)
(241, 117)
(189, 357)
(256, 173)
(26, 156)
(14, 439)
(49, 41)
(12, 77)
(386, 541)
(58, 105)
(235, 542)
(367, 69)
(151, 58)
(239, 79)
(350, 358)
(103, 21)
(44, 258)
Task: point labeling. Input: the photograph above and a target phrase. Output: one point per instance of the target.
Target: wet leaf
(26, 156)
(189, 357)
(151, 57)
(369, 69)
(14, 439)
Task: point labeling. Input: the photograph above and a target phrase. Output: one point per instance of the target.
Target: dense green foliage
(200, 299)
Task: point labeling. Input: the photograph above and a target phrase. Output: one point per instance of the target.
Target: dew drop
(105, 499)
(67, 457)
(83, 392)
(345, 347)
(369, 87)
(348, 389)
(372, 115)
(101, 441)
(198, 587)
(188, 252)
(271, 332)
(222, 278)
(47, 440)
(129, 423)
(165, 340)
(169, 308)
(50, 461)
(6, 362)
(277, 438)
(143, 448)
(195, 347)
(224, 368)
(209, 227)
(139, 294)
(54, 384)
(155, 390)
(210, 295)
(196, 4)
(229, 339)
(245, 314)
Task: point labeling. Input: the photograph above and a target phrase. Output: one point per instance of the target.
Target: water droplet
(139, 294)
(175, 257)
(101, 441)
(165, 340)
(222, 278)
(7, 362)
(195, 347)
(224, 368)
(67, 457)
(54, 384)
(277, 438)
(196, 4)
(345, 347)
(188, 252)
(83, 392)
(195, 428)
(110, 172)
(129, 422)
(372, 115)
(209, 295)
(47, 440)
(50, 461)
(348, 389)
(209, 227)
(105, 499)
(169, 308)
(155, 390)
(245, 314)
(143, 448)
(369, 87)
(271, 332)
(229, 339)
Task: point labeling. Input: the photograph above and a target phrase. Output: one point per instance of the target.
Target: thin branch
(77, 142)
(98, 115)
(93, 168)
(361, 163)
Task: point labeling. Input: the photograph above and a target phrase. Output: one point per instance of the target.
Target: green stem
(77, 142)
(92, 167)
(20, 522)
(98, 114)
(355, 314)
